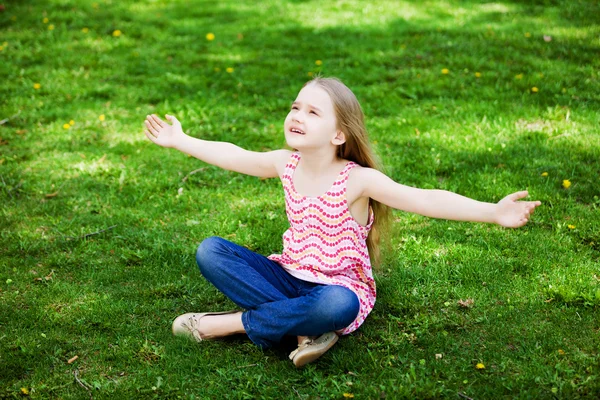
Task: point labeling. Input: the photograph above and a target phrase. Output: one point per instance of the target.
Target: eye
(314, 112)
(294, 107)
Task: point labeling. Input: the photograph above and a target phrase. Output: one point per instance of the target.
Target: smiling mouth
(298, 131)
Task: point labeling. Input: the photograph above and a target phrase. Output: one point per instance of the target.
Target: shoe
(189, 324)
(311, 349)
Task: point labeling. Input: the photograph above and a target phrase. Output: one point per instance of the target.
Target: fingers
(150, 136)
(151, 129)
(157, 120)
(518, 195)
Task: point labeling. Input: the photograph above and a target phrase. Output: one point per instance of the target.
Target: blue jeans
(276, 303)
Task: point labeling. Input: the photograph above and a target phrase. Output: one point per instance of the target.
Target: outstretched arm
(508, 212)
(222, 154)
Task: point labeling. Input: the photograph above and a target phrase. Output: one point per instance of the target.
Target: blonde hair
(350, 120)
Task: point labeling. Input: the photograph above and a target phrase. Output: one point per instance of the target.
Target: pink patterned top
(324, 243)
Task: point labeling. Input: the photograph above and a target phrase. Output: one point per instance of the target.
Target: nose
(298, 116)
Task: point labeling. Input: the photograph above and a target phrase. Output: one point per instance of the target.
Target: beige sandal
(311, 349)
(189, 324)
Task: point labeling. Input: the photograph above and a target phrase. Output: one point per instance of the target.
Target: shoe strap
(305, 343)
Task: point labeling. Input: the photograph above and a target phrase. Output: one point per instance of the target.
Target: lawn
(98, 226)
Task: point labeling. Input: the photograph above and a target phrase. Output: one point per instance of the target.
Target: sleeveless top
(324, 243)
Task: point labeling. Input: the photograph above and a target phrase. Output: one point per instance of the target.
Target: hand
(162, 133)
(511, 213)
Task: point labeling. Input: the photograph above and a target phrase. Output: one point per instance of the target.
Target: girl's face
(311, 123)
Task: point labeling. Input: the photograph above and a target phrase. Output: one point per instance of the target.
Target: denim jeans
(276, 303)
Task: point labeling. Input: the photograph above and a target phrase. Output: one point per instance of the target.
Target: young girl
(321, 285)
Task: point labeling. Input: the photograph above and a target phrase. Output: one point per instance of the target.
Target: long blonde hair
(350, 120)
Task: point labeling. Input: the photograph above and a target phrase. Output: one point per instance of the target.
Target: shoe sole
(315, 351)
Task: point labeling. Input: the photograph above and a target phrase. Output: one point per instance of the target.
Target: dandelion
(480, 366)
(45, 20)
(101, 117)
(519, 76)
(566, 183)
(1, 48)
(50, 27)
(66, 126)
(310, 73)
(527, 34)
(24, 392)
(570, 227)
(229, 70)
(535, 89)
(85, 30)
(561, 352)
(116, 33)
(37, 86)
(71, 122)
(210, 36)
(319, 63)
(348, 395)
(445, 71)
(544, 174)
(477, 74)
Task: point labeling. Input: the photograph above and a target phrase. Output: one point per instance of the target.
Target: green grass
(109, 298)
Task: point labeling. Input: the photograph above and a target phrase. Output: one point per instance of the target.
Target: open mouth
(298, 131)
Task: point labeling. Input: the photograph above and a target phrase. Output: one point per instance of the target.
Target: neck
(316, 162)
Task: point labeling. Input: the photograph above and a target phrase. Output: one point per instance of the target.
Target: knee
(340, 306)
(207, 253)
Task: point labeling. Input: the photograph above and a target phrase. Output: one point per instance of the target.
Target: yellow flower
(348, 395)
(50, 27)
(527, 34)
(210, 36)
(71, 122)
(445, 71)
(1, 48)
(561, 352)
(229, 70)
(319, 62)
(477, 74)
(45, 20)
(85, 30)
(24, 391)
(566, 183)
(480, 366)
(117, 33)
(519, 76)
(534, 89)
(544, 174)
(570, 227)
(66, 126)
(310, 73)
(36, 86)
(102, 117)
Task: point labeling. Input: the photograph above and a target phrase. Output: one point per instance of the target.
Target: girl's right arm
(222, 154)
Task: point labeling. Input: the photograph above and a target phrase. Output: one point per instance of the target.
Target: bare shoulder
(358, 178)
(280, 159)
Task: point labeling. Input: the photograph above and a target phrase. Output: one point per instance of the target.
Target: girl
(321, 285)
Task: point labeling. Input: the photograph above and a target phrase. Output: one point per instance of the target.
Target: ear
(339, 139)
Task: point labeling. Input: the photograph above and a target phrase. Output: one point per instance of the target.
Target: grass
(109, 298)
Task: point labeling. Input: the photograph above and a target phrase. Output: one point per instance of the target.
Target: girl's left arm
(434, 203)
